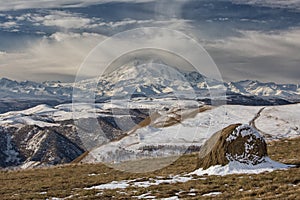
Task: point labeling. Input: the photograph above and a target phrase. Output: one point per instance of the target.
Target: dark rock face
(241, 143)
(9, 155)
(32, 145)
(45, 146)
(56, 149)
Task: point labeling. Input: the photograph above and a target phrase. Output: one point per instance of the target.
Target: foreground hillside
(45, 135)
(76, 181)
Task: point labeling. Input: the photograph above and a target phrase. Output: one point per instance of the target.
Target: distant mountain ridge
(147, 81)
(249, 87)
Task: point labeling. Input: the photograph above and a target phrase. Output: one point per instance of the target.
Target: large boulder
(236, 142)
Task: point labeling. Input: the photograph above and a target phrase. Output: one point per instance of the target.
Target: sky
(248, 39)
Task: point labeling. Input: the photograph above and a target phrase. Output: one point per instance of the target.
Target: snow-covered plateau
(130, 130)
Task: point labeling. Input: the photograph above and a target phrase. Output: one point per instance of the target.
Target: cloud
(59, 55)
(62, 40)
(9, 25)
(60, 36)
(29, 4)
(291, 4)
(68, 37)
(65, 21)
(267, 56)
(63, 52)
(255, 43)
(62, 19)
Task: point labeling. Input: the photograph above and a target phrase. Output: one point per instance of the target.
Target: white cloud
(67, 20)
(254, 55)
(174, 23)
(124, 23)
(254, 43)
(63, 51)
(61, 55)
(8, 25)
(56, 18)
(60, 36)
(293, 4)
(21, 4)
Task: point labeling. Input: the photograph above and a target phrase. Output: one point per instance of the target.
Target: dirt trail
(252, 122)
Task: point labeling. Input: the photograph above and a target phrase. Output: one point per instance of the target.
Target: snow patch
(171, 198)
(211, 194)
(30, 164)
(145, 196)
(135, 183)
(235, 167)
(111, 186)
(151, 182)
(244, 130)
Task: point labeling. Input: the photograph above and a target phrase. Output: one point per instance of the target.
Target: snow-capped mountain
(29, 89)
(248, 87)
(148, 80)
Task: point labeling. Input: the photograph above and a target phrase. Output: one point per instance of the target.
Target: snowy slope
(157, 141)
(44, 115)
(177, 126)
(280, 121)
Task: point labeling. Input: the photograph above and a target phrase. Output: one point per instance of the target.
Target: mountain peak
(151, 78)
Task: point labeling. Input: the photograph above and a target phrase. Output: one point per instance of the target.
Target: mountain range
(141, 106)
(153, 81)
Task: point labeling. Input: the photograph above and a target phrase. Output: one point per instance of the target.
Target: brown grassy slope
(63, 181)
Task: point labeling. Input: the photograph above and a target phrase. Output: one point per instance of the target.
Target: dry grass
(67, 180)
